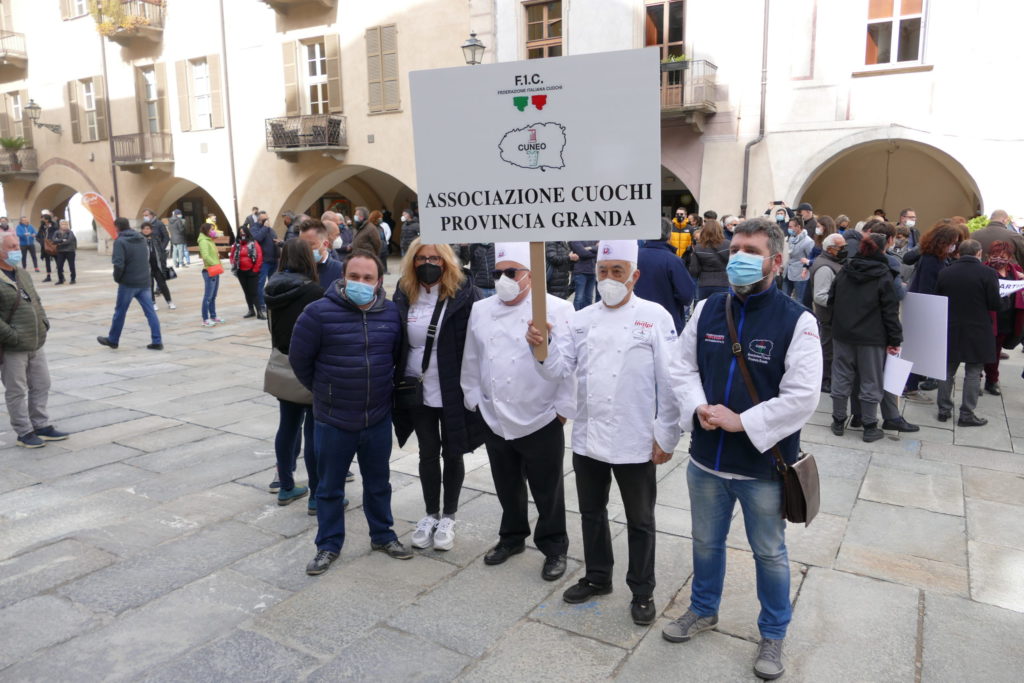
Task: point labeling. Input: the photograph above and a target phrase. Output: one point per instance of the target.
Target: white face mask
(819, 230)
(337, 243)
(506, 288)
(612, 291)
(911, 223)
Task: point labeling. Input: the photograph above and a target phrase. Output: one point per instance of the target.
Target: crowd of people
(641, 347)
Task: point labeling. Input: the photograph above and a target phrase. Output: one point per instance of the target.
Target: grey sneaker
(687, 626)
(769, 660)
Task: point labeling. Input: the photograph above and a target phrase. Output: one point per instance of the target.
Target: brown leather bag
(801, 489)
(49, 247)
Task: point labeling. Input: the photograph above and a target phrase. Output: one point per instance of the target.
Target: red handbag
(213, 271)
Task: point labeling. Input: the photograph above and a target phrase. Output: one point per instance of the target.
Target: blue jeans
(180, 254)
(124, 300)
(296, 423)
(335, 449)
(797, 286)
(486, 292)
(585, 284)
(706, 291)
(266, 270)
(210, 287)
(712, 500)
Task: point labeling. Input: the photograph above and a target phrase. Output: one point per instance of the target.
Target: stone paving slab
(373, 657)
(711, 657)
(57, 463)
(999, 487)
(914, 483)
(40, 570)
(39, 622)
(967, 641)
(996, 523)
(996, 575)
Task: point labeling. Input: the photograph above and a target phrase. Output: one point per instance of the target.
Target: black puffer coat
(287, 294)
(559, 268)
(865, 311)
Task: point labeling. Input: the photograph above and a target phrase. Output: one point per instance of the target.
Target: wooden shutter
(184, 100)
(389, 64)
(99, 90)
(26, 123)
(5, 118)
(374, 69)
(162, 107)
(216, 91)
(332, 50)
(76, 125)
(8, 23)
(65, 9)
(140, 100)
(291, 78)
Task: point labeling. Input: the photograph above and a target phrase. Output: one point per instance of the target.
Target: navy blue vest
(764, 324)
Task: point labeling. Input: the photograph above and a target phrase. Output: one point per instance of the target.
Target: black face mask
(841, 254)
(428, 273)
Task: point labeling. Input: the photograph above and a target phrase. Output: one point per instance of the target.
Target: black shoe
(261, 314)
(499, 553)
(642, 610)
(838, 426)
(856, 422)
(583, 591)
(72, 280)
(872, 432)
(47, 279)
(928, 385)
(320, 563)
(971, 421)
(155, 347)
(826, 387)
(349, 476)
(554, 567)
(106, 342)
(394, 550)
(943, 417)
(250, 314)
(58, 282)
(900, 425)
(993, 388)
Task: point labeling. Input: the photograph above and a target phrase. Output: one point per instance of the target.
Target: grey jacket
(27, 328)
(799, 247)
(177, 229)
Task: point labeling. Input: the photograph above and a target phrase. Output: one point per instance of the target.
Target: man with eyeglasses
(524, 411)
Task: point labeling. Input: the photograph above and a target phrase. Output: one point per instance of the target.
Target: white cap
(516, 252)
(618, 250)
(46, 212)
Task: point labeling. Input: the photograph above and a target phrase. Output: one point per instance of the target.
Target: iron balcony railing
(142, 148)
(145, 12)
(20, 162)
(312, 131)
(12, 46)
(689, 86)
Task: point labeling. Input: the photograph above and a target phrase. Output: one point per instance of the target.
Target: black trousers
(431, 434)
(48, 261)
(67, 257)
(535, 458)
(248, 279)
(158, 283)
(25, 251)
(825, 332)
(639, 488)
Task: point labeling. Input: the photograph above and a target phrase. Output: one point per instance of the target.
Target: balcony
(688, 91)
(138, 20)
(284, 5)
(18, 165)
(313, 132)
(139, 151)
(12, 50)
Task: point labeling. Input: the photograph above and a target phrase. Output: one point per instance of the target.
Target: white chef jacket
(416, 323)
(772, 420)
(627, 363)
(500, 377)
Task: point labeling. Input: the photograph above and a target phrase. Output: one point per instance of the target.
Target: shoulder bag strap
(432, 332)
(737, 352)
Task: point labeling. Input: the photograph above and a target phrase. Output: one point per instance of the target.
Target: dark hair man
(131, 273)
(328, 269)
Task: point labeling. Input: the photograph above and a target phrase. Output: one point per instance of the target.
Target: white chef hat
(516, 252)
(618, 250)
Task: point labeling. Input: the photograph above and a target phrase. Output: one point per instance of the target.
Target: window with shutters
(315, 75)
(79, 7)
(382, 68)
(543, 29)
(17, 122)
(894, 32)
(202, 102)
(664, 27)
(91, 131)
(151, 100)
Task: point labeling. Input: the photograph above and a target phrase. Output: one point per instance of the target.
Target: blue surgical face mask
(14, 257)
(745, 269)
(791, 231)
(317, 256)
(359, 293)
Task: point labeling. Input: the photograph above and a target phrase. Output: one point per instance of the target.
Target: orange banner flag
(101, 211)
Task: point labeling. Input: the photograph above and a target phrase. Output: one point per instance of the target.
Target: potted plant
(12, 145)
(113, 18)
(675, 63)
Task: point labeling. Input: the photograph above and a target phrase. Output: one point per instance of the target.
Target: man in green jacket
(23, 326)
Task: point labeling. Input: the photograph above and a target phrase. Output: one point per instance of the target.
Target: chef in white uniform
(524, 411)
(624, 353)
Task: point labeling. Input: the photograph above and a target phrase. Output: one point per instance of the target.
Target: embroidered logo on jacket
(714, 338)
(760, 350)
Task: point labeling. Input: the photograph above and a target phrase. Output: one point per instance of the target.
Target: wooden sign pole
(539, 288)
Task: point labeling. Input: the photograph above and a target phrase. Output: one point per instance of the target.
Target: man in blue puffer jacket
(344, 349)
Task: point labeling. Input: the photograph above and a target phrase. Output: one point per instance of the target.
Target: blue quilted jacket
(347, 357)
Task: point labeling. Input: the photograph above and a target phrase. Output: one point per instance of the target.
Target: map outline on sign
(534, 155)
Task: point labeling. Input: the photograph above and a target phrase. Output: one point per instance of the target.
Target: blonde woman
(434, 294)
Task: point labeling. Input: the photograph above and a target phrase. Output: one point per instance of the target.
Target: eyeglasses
(508, 272)
(432, 260)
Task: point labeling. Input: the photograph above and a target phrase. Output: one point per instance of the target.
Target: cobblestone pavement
(147, 546)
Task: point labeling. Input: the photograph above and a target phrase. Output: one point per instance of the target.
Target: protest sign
(924, 333)
(1008, 287)
(897, 370)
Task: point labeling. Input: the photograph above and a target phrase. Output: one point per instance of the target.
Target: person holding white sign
(1010, 318)
(524, 411)
(623, 351)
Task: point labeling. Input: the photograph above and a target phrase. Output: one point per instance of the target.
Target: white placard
(897, 370)
(925, 325)
(565, 148)
(1008, 287)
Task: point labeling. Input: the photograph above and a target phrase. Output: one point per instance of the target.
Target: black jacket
(926, 273)
(480, 258)
(559, 266)
(587, 251)
(131, 259)
(287, 294)
(66, 241)
(464, 430)
(266, 238)
(410, 231)
(972, 289)
(707, 264)
(870, 313)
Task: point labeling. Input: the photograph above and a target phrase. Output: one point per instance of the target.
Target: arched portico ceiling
(369, 181)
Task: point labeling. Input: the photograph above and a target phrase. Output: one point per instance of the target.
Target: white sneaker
(444, 536)
(209, 323)
(422, 537)
(171, 306)
(156, 307)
